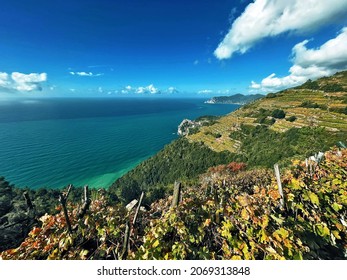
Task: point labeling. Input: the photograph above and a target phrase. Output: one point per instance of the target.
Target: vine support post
(63, 199)
(176, 194)
(279, 183)
(86, 203)
(31, 207)
(138, 208)
(124, 253)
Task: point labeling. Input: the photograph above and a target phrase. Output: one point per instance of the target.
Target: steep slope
(294, 123)
(229, 214)
(321, 103)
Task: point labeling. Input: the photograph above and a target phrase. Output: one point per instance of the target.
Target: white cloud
(254, 85)
(226, 91)
(205, 91)
(149, 89)
(268, 18)
(332, 54)
(28, 82)
(326, 60)
(21, 82)
(140, 90)
(172, 90)
(85, 74)
(4, 79)
(152, 89)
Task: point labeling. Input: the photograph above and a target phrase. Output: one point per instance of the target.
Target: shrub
(291, 119)
(266, 120)
(278, 114)
(236, 166)
(271, 95)
(310, 104)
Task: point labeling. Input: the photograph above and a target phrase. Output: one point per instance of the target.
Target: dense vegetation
(179, 160)
(310, 104)
(15, 218)
(218, 218)
(262, 146)
(182, 160)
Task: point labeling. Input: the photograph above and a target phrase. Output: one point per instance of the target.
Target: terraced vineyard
(321, 103)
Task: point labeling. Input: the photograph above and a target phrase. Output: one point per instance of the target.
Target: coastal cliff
(238, 99)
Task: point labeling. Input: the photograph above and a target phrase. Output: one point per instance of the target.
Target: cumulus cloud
(149, 89)
(205, 91)
(172, 90)
(86, 74)
(28, 82)
(21, 82)
(326, 60)
(268, 18)
(4, 79)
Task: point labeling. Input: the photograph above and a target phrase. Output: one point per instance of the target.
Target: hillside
(294, 123)
(230, 208)
(315, 104)
(229, 214)
(240, 99)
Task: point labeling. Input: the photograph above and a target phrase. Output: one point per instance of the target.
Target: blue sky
(157, 47)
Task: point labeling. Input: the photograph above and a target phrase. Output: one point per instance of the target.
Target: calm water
(52, 143)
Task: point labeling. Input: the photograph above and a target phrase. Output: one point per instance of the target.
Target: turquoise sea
(55, 142)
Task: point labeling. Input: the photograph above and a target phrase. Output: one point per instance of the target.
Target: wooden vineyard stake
(126, 241)
(63, 199)
(138, 208)
(176, 194)
(279, 183)
(86, 203)
(31, 207)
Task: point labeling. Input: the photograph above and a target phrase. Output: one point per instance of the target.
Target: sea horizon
(88, 141)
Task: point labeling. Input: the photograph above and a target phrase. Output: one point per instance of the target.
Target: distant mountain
(234, 99)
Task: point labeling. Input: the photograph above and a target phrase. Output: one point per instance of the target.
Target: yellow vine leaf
(155, 244)
(295, 184)
(264, 221)
(314, 198)
(243, 200)
(277, 219)
(337, 207)
(54, 255)
(244, 214)
(322, 230)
